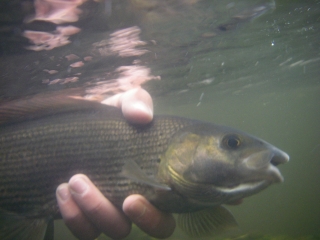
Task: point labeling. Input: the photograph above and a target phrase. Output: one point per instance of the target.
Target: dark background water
(261, 76)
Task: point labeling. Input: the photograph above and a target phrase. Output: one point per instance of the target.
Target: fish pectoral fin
(206, 222)
(16, 227)
(132, 171)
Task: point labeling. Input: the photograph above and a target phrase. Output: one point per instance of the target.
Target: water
(260, 76)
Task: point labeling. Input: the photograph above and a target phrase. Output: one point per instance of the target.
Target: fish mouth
(261, 170)
(279, 157)
(262, 165)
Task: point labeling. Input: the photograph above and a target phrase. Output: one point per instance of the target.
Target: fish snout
(279, 157)
(263, 164)
(263, 158)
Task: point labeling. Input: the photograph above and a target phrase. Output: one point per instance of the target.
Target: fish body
(38, 155)
(180, 165)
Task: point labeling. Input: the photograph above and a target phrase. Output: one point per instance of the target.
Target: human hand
(136, 105)
(87, 212)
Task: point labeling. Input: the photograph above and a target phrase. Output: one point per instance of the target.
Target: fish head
(211, 164)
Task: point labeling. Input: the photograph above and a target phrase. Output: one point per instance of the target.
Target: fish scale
(46, 152)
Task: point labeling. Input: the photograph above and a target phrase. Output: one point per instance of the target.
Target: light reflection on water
(261, 76)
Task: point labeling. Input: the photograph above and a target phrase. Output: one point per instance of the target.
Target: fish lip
(274, 172)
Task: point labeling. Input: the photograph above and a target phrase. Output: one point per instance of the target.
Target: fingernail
(78, 185)
(137, 210)
(63, 192)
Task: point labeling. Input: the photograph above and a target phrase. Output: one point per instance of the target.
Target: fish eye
(231, 141)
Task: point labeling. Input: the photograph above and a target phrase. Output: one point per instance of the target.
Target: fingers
(76, 221)
(148, 218)
(87, 212)
(136, 105)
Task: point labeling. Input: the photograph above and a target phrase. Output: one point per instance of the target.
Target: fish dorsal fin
(44, 104)
(132, 171)
(206, 222)
(15, 227)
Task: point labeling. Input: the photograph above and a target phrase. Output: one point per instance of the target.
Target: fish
(181, 165)
(248, 15)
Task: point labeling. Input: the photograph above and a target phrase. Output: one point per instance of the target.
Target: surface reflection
(56, 11)
(49, 41)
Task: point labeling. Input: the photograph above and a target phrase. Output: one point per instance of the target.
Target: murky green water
(261, 76)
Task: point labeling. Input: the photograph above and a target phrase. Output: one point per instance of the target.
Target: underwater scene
(252, 65)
